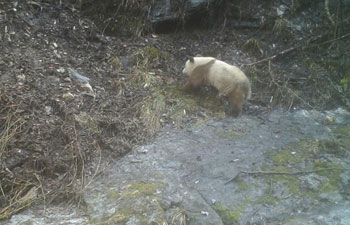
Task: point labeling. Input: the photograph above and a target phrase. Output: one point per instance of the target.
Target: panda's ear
(191, 59)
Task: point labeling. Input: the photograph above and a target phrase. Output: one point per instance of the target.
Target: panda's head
(194, 62)
(189, 66)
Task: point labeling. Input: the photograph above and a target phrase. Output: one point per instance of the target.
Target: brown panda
(229, 80)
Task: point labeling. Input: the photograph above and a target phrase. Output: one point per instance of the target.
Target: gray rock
(167, 10)
(169, 183)
(76, 76)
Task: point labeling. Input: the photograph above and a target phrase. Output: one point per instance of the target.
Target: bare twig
(281, 173)
(326, 7)
(274, 56)
(42, 189)
(290, 90)
(97, 146)
(297, 47)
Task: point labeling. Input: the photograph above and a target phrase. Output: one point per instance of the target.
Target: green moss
(339, 145)
(297, 221)
(281, 158)
(292, 183)
(122, 216)
(242, 186)
(343, 131)
(333, 147)
(342, 135)
(115, 194)
(306, 153)
(137, 200)
(145, 188)
(229, 134)
(294, 154)
(137, 190)
(228, 216)
(332, 172)
(267, 199)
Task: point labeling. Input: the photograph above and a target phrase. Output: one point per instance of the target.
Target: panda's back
(222, 75)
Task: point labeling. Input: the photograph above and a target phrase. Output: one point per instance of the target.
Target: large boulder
(173, 10)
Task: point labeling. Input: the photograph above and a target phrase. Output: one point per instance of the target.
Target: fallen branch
(297, 47)
(290, 90)
(274, 56)
(281, 173)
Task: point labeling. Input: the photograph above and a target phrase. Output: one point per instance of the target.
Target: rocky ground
(59, 131)
(220, 173)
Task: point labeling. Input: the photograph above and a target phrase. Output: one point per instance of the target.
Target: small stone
(142, 150)
(53, 80)
(87, 87)
(61, 70)
(329, 120)
(281, 10)
(48, 110)
(205, 213)
(68, 96)
(21, 77)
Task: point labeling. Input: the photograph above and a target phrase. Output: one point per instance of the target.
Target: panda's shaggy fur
(229, 80)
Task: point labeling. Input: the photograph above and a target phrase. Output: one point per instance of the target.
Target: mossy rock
(227, 216)
(306, 156)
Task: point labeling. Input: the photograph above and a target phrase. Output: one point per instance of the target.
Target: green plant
(345, 84)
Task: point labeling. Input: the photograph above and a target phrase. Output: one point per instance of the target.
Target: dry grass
(253, 46)
(144, 79)
(175, 106)
(281, 27)
(10, 127)
(179, 217)
(19, 200)
(15, 195)
(149, 57)
(151, 112)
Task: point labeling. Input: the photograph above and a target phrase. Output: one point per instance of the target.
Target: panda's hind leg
(236, 99)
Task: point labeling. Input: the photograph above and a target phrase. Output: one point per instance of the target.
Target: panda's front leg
(193, 84)
(236, 103)
(188, 86)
